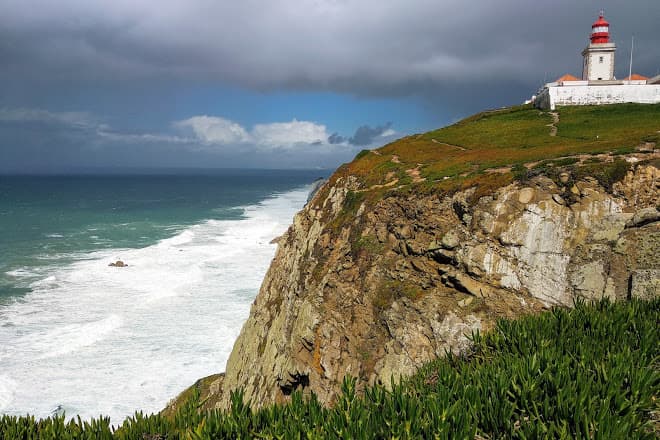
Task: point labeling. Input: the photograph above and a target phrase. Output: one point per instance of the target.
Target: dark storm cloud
(336, 138)
(365, 47)
(366, 135)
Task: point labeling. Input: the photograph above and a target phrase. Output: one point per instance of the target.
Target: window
(601, 60)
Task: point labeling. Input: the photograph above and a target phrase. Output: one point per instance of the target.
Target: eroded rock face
(376, 292)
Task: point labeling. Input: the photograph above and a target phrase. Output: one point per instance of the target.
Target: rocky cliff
(375, 279)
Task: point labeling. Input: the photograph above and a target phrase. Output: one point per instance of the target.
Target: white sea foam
(23, 272)
(7, 390)
(106, 340)
(65, 339)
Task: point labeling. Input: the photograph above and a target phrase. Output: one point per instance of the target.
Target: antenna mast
(632, 49)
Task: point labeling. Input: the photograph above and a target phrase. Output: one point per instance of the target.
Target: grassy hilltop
(511, 136)
(494, 147)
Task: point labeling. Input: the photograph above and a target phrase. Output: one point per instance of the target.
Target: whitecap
(64, 339)
(7, 391)
(23, 272)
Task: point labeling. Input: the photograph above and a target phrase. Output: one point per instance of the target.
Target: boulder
(450, 240)
(645, 284)
(644, 217)
(118, 263)
(276, 240)
(526, 195)
(558, 199)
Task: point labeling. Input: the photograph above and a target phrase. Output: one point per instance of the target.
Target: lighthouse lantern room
(599, 55)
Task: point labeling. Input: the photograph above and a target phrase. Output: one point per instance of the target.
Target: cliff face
(375, 288)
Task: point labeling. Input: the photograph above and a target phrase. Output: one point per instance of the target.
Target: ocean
(79, 336)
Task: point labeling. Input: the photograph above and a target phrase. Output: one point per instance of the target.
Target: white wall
(551, 97)
(593, 68)
(600, 70)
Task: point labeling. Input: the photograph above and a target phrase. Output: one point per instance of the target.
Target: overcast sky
(276, 83)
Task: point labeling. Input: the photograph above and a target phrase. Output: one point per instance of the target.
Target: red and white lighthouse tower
(599, 55)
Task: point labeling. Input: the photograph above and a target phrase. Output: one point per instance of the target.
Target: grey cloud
(81, 120)
(336, 138)
(366, 135)
(364, 47)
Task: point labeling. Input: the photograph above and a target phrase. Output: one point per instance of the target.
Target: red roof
(567, 77)
(636, 77)
(600, 22)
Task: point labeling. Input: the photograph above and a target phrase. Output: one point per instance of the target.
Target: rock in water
(118, 263)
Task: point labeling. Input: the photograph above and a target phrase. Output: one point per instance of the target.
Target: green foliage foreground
(589, 372)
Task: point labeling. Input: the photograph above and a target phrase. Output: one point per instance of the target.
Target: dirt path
(553, 126)
(435, 141)
(373, 187)
(501, 170)
(414, 174)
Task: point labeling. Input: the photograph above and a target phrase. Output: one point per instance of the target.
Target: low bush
(607, 174)
(361, 154)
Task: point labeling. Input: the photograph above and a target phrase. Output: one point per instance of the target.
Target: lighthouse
(598, 85)
(599, 55)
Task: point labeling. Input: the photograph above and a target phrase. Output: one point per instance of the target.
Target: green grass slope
(472, 150)
(589, 372)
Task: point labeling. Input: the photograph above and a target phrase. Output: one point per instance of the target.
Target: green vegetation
(606, 174)
(519, 172)
(351, 204)
(504, 138)
(392, 290)
(367, 243)
(362, 153)
(590, 372)
(352, 201)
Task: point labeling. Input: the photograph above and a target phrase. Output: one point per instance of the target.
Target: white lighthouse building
(598, 84)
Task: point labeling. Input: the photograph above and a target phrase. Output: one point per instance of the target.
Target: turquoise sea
(79, 336)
